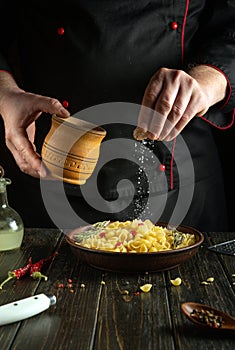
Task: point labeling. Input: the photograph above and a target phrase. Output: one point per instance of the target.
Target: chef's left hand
(173, 97)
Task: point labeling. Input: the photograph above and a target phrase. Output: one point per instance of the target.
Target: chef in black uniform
(176, 58)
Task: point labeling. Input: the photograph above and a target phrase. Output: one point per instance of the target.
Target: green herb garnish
(179, 237)
(90, 231)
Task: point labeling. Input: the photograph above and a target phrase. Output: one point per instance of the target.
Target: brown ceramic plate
(135, 262)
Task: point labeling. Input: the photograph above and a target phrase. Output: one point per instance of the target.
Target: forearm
(7, 86)
(7, 81)
(212, 80)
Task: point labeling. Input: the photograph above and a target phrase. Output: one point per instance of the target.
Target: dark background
(225, 140)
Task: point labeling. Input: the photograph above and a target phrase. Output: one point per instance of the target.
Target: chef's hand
(20, 110)
(173, 97)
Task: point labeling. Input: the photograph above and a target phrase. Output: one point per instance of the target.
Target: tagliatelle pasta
(132, 237)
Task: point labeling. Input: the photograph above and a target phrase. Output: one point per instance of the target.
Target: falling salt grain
(82, 285)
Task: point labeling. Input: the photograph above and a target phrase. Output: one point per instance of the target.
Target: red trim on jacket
(7, 71)
(228, 95)
(183, 28)
(182, 50)
(220, 127)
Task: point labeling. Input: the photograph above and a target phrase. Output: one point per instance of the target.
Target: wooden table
(97, 313)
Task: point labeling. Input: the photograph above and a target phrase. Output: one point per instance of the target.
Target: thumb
(31, 132)
(202, 113)
(52, 106)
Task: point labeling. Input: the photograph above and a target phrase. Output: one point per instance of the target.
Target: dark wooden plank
(17, 289)
(218, 294)
(102, 316)
(36, 244)
(133, 321)
(70, 324)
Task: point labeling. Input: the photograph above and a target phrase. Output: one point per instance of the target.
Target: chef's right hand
(173, 98)
(20, 110)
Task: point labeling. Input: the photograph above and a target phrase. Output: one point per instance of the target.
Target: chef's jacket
(87, 53)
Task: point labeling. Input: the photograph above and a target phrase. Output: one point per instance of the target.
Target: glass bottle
(11, 224)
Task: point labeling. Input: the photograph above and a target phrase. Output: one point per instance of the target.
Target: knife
(24, 308)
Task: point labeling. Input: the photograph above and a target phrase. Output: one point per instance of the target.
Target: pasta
(132, 237)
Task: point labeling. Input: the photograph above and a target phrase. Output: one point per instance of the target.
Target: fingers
(31, 134)
(178, 116)
(36, 104)
(53, 106)
(148, 103)
(19, 115)
(139, 134)
(25, 156)
(160, 124)
(171, 100)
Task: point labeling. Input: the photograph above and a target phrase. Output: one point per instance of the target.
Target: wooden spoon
(188, 308)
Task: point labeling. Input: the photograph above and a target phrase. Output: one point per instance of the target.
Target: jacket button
(65, 104)
(60, 31)
(162, 167)
(174, 25)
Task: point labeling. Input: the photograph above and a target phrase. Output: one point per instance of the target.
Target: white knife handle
(24, 308)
